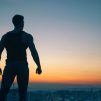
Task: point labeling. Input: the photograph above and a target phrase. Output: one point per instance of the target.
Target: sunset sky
(67, 35)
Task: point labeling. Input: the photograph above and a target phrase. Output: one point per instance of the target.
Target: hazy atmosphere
(67, 34)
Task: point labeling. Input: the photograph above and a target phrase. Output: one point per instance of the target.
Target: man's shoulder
(27, 35)
(7, 33)
(27, 38)
(4, 36)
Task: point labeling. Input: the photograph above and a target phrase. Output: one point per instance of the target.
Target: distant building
(70, 95)
(14, 96)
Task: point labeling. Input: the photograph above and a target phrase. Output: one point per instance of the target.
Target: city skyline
(67, 35)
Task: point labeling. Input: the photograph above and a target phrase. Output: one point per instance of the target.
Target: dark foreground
(59, 95)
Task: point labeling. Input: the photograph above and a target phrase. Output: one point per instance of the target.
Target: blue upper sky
(62, 29)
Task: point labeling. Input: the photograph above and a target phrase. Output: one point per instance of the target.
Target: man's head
(18, 21)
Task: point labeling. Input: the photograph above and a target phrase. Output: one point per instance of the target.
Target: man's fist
(0, 71)
(38, 70)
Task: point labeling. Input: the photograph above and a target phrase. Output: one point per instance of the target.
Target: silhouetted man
(16, 42)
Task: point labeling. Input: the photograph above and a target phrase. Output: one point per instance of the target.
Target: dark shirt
(16, 44)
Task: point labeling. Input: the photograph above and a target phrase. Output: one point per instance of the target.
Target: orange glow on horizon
(75, 71)
(66, 34)
(64, 77)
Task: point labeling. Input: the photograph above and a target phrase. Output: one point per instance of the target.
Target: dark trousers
(12, 69)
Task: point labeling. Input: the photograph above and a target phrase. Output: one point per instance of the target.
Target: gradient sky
(67, 34)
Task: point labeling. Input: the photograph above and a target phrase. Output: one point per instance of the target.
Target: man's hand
(0, 71)
(38, 70)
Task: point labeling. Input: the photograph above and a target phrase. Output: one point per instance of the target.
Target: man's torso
(16, 45)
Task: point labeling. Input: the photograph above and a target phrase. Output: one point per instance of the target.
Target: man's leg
(7, 79)
(22, 79)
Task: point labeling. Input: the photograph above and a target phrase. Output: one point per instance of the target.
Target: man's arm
(34, 54)
(2, 45)
(1, 49)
